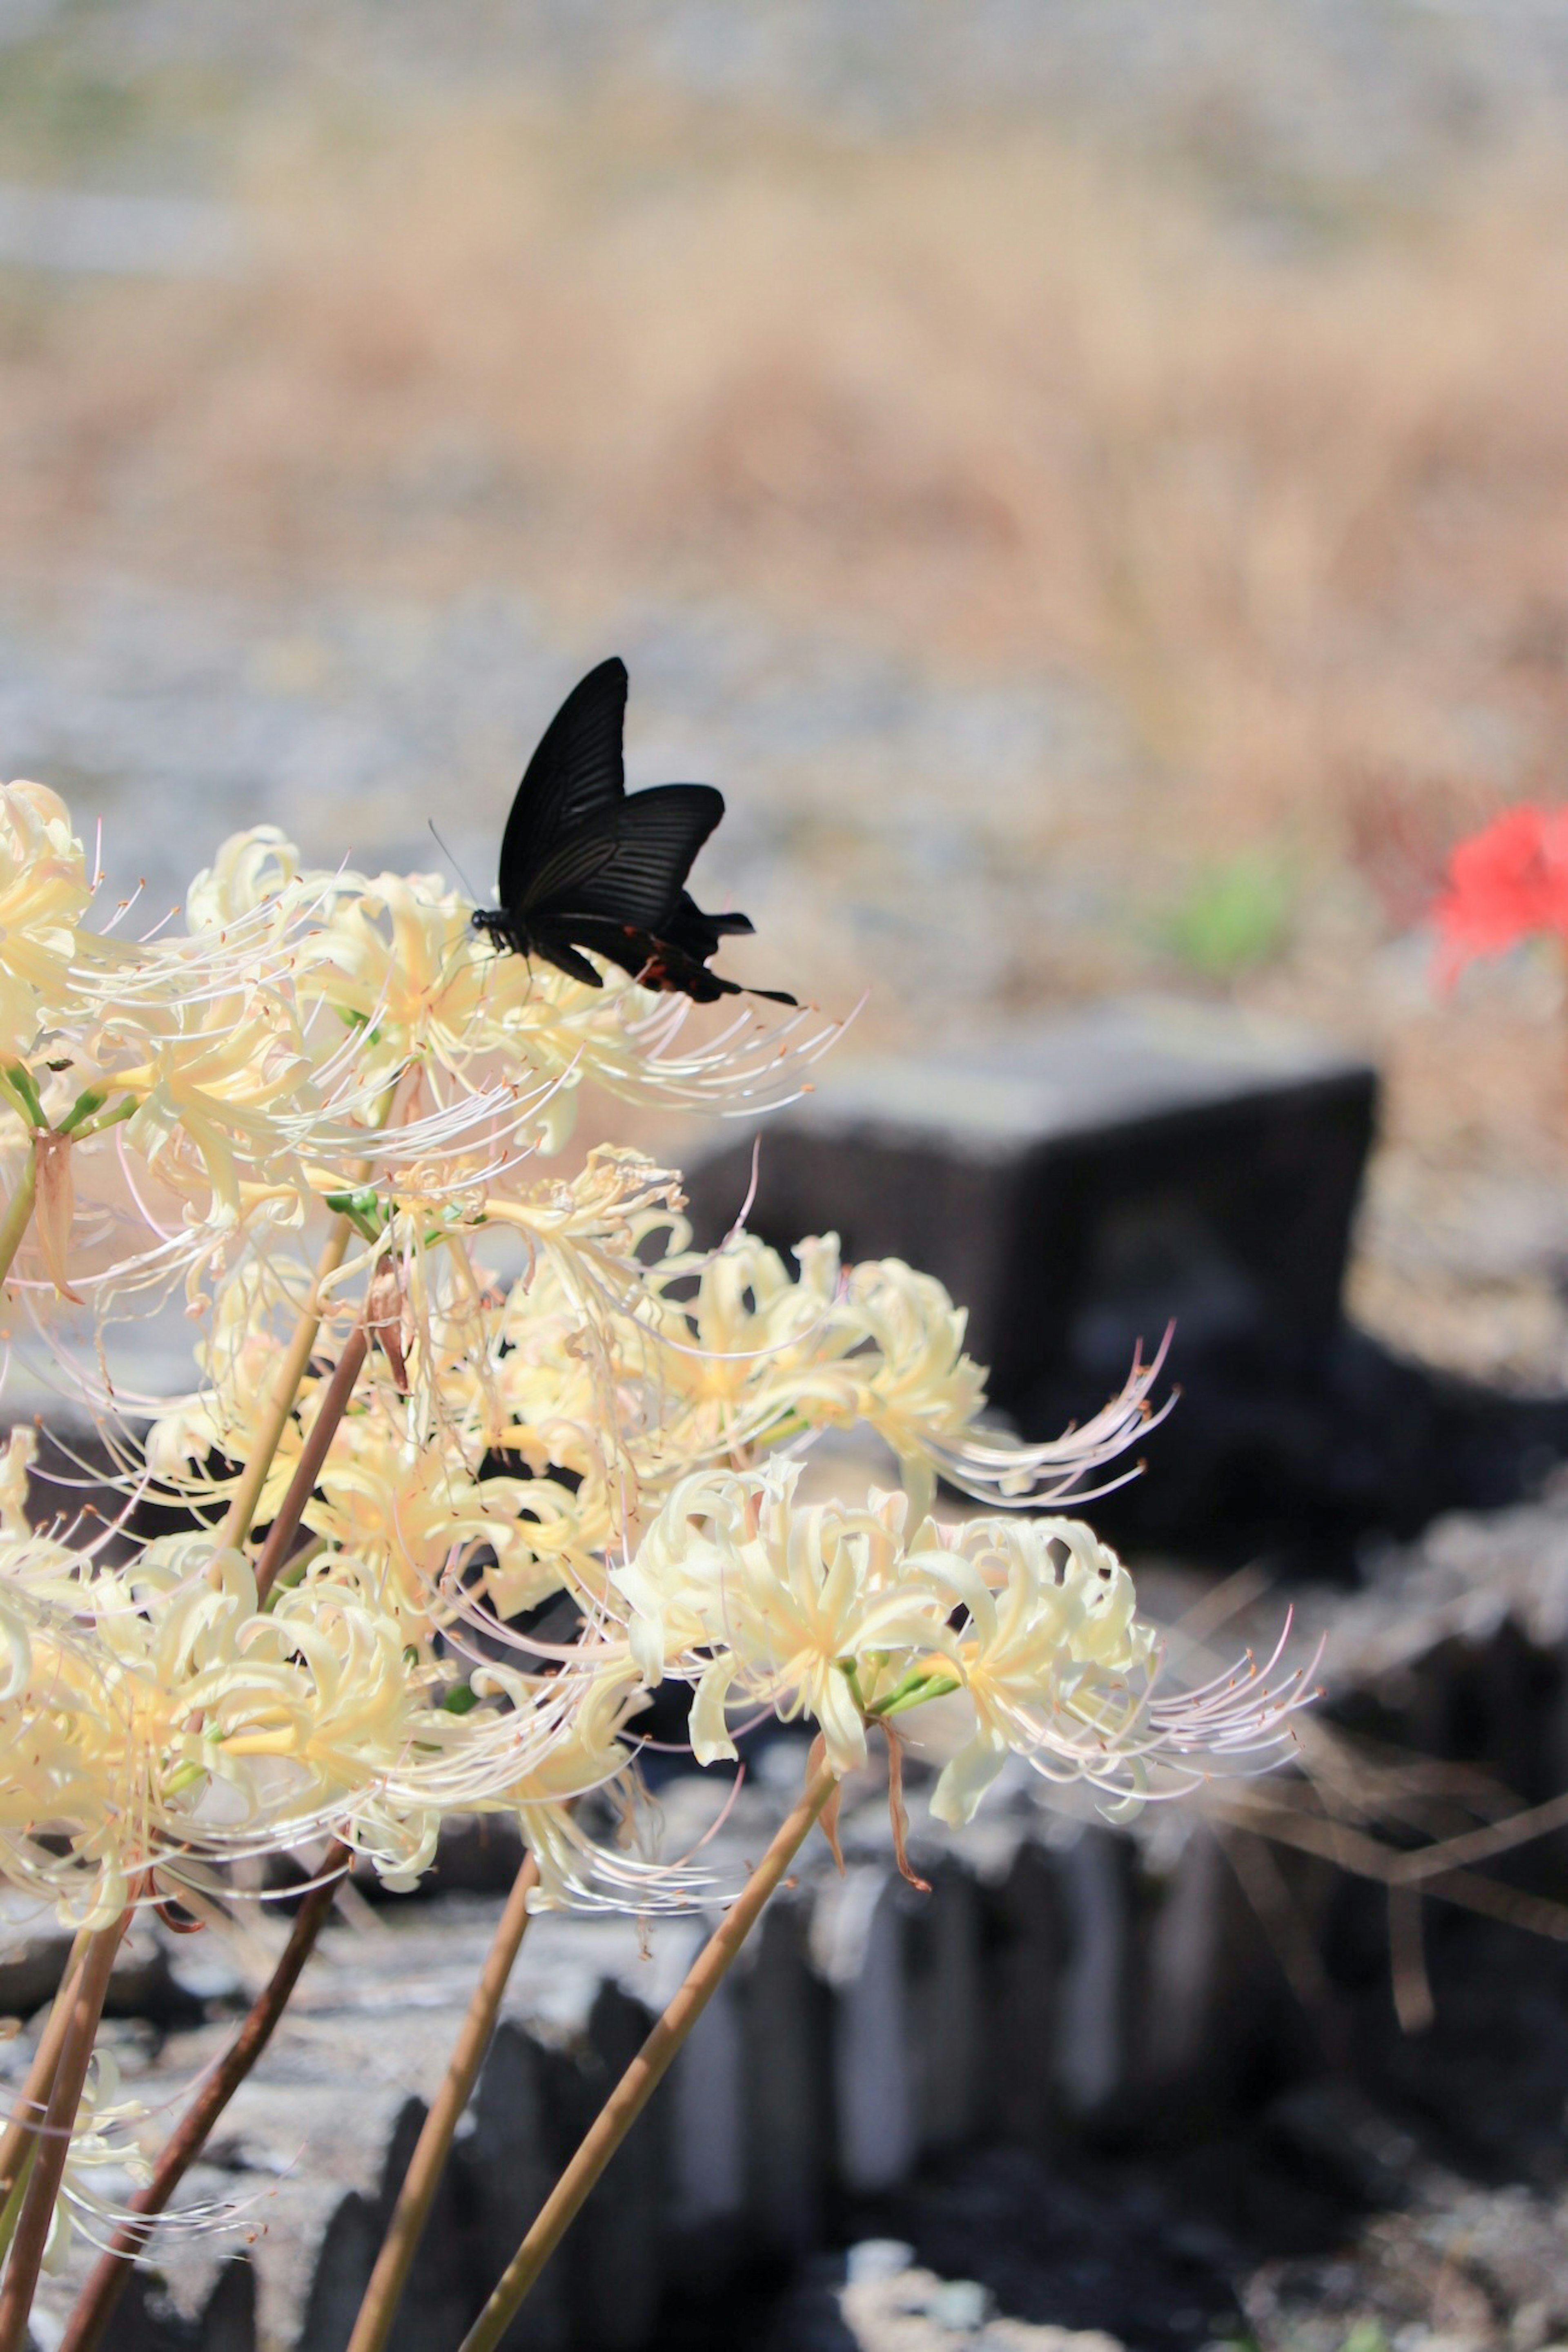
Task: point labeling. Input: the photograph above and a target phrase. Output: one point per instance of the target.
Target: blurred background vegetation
(1089, 480)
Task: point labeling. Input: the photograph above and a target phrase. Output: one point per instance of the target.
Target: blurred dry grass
(1297, 510)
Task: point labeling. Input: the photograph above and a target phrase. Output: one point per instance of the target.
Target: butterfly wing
(568, 958)
(628, 866)
(577, 776)
(697, 933)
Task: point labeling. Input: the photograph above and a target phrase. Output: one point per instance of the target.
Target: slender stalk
(106, 2283)
(247, 1494)
(11, 2210)
(54, 2137)
(637, 2086)
(34, 2097)
(253, 1477)
(428, 2161)
(329, 1413)
(18, 1214)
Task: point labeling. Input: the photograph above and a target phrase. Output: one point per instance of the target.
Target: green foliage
(1233, 916)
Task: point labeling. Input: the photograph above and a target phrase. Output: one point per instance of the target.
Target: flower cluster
(302, 1034)
(853, 1616)
(565, 1406)
(480, 1447)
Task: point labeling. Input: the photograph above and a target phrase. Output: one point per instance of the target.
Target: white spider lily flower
(254, 869)
(761, 1356)
(578, 1870)
(409, 1479)
(209, 1087)
(397, 956)
(851, 1618)
(1057, 1666)
(45, 890)
(811, 1610)
(105, 2141)
(153, 1718)
(21, 1451)
(1050, 1622)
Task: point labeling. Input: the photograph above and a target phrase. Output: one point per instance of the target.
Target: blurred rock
(33, 1954)
(880, 2308)
(1078, 1185)
(787, 2023)
(858, 1941)
(504, 2160)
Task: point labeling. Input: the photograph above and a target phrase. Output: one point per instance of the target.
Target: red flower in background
(1504, 883)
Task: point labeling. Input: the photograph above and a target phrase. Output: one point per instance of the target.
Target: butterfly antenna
(453, 862)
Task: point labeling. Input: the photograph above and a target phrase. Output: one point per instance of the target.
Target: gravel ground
(175, 721)
(1332, 90)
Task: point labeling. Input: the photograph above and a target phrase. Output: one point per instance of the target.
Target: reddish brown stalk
(91, 1983)
(428, 2161)
(106, 2282)
(33, 2098)
(897, 1811)
(329, 1413)
(641, 2078)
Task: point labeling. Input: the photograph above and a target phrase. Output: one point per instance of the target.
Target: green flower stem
(916, 1688)
(637, 2086)
(428, 2161)
(107, 2281)
(88, 1104)
(126, 1108)
(91, 1983)
(18, 1214)
(11, 2213)
(20, 1080)
(850, 1670)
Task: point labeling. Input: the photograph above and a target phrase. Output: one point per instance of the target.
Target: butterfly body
(585, 865)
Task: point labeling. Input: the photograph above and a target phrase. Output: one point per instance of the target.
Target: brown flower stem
(106, 2283)
(243, 1504)
(637, 2086)
(90, 1984)
(18, 1214)
(33, 2096)
(323, 1428)
(428, 2161)
(253, 1477)
(13, 2205)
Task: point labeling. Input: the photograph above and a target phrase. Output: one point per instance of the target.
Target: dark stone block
(343, 2266)
(787, 2030)
(1081, 1185)
(506, 2172)
(1022, 1957)
(438, 2301)
(946, 2003)
(149, 2318)
(612, 2258)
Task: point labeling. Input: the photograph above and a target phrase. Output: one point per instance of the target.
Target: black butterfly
(584, 865)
